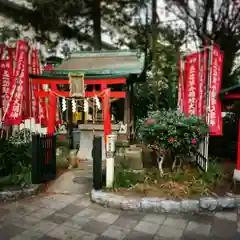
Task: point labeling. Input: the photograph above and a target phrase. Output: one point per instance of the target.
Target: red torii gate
(53, 93)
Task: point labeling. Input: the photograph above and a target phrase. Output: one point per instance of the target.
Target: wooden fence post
(36, 170)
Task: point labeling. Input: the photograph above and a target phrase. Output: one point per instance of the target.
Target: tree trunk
(154, 42)
(96, 17)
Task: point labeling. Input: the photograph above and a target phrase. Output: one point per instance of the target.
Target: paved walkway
(75, 181)
(58, 216)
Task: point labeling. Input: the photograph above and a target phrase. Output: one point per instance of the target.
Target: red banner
(2, 48)
(191, 84)
(58, 114)
(14, 113)
(27, 95)
(181, 87)
(215, 113)
(42, 107)
(35, 87)
(203, 64)
(6, 77)
(12, 53)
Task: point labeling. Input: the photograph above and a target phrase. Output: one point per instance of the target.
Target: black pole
(97, 162)
(36, 160)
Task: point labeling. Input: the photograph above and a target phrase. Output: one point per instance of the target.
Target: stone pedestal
(87, 131)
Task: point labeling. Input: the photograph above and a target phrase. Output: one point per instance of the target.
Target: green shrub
(125, 177)
(172, 131)
(16, 160)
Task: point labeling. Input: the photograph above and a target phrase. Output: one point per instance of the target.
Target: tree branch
(25, 16)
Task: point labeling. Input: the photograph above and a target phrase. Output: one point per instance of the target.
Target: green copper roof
(54, 60)
(123, 62)
(231, 90)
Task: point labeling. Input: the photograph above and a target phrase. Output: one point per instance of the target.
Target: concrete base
(236, 175)
(86, 139)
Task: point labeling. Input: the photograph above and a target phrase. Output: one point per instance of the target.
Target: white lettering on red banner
(191, 84)
(202, 83)
(35, 87)
(42, 105)
(215, 111)
(14, 113)
(5, 75)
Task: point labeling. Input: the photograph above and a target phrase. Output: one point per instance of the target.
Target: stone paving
(59, 216)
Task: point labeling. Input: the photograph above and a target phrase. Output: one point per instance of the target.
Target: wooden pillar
(107, 114)
(127, 111)
(103, 87)
(52, 106)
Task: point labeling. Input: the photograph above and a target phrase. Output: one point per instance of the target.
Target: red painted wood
(52, 106)
(103, 87)
(87, 94)
(107, 114)
(86, 81)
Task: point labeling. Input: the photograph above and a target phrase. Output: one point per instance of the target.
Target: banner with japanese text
(6, 77)
(42, 105)
(14, 112)
(58, 114)
(191, 87)
(26, 94)
(2, 48)
(35, 87)
(203, 64)
(215, 106)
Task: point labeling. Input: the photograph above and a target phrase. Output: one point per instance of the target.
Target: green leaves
(173, 130)
(15, 160)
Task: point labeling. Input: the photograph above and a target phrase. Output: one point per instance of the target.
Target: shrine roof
(54, 60)
(87, 77)
(231, 90)
(124, 62)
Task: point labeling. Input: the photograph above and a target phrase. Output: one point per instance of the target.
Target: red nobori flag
(181, 86)
(215, 108)
(58, 114)
(191, 84)
(42, 106)
(202, 83)
(14, 113)
(6, 77)
(26, 94)
(2, 48)
(35, 87)
(12, 53)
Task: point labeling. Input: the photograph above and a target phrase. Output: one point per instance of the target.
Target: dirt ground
(184, 188)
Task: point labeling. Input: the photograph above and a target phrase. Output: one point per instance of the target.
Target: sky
(165, 17)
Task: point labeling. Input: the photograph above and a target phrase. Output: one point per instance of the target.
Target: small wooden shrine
(228, 96)
(115, 71)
